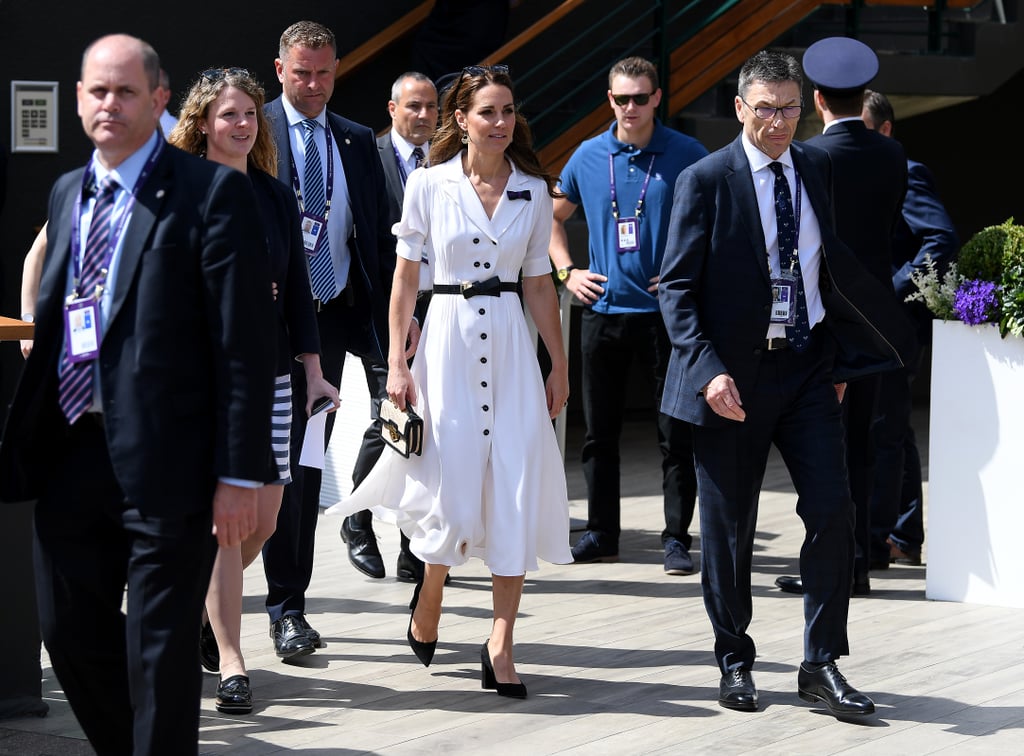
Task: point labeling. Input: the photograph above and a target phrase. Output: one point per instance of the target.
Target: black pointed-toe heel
(489, 682)
(424, 651)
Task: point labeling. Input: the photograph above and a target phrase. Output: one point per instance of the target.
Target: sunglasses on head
(501, 68)
(218, 74)
(640, 99)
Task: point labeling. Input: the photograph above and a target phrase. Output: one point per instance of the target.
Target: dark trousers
(610, 345)
(859, 408)
(896, 502)
(133, 679)
(288, 554)
(793, 405)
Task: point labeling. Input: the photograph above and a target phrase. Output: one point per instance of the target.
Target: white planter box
(976, 466)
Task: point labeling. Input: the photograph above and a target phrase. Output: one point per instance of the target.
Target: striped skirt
(281, 427)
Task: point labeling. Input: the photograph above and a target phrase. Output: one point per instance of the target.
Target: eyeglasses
(766, 113)
(640, 99)
(218, 74)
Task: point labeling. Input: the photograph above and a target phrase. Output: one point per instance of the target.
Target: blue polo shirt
(585, 181)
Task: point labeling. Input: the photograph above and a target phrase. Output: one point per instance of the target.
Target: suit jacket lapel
(148, 200)
(279, 127)
(741, 185)
(391, 174)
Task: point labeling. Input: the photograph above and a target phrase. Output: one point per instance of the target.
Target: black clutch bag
(402, 430)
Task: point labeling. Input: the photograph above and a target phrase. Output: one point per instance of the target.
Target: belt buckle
(466, 288)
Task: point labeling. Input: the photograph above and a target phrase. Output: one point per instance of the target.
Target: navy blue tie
(321, 266)
(799, 334)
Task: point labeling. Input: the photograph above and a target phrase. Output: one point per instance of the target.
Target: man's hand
(585, 286)
(234, 514)
(722, 397)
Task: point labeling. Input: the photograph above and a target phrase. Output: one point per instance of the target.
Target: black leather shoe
(409, 568)
(313, 635)
(489, 682)
(290, 638)
(362, 547)
(424, 650)
(209, 654)
(861, 585)
(790, 584)
(593, 548)
(827, 685)
(234, 695)
(737, 691)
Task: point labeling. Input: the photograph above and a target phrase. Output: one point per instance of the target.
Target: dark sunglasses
(218, 74)
(501, 68)
(640, 99)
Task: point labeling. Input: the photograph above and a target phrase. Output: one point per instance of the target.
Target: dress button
(482, 311)
(483, 359)
(476, 264)
(483, 335)
(487, 433)
(476, 241)
(486, 408)
(483, 383)
(487, 265)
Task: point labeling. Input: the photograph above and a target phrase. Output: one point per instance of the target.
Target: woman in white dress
(490, 482)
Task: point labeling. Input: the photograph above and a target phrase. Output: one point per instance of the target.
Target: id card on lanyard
(82, 335)
(313, 225)
(627, 230)
(784, 285)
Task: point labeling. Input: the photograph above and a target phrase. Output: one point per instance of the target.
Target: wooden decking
(617, 658)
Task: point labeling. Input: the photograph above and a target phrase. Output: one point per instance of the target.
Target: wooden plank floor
(617, 657)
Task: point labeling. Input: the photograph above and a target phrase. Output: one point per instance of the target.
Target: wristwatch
(563, 273)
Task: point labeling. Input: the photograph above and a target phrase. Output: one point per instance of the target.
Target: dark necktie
(419, 157)
(75, 386)
(321, 267)
(799, 334)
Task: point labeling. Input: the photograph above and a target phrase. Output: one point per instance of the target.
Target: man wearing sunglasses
(624, 179)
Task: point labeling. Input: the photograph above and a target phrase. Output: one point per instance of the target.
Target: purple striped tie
(76, 377)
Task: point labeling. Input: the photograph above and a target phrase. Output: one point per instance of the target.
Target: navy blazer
(185, 365)
(372, 244)
(715, 292)
(870, 181)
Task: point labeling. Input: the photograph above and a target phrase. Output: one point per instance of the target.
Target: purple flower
(976, 302)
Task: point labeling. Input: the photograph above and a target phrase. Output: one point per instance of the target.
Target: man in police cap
(870, 181)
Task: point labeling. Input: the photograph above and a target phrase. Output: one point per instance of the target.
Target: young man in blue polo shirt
(624, 179)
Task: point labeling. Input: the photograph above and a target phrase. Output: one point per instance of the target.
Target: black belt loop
(774, 345)
(492, 287)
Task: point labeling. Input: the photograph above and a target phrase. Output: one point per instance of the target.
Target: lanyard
(403, 169)
(328, 189)
(643, 189)
(795, 257)
(89, 180)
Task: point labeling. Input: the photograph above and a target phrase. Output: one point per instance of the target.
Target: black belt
(492, 287)
(774, 345)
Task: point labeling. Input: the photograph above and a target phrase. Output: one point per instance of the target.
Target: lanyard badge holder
(784, 285)
(314, 226)
(627, 230)
(82, 313)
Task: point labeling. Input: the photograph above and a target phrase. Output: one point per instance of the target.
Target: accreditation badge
(628, 234)
(82, 329)
(783, 300)
(313, 227)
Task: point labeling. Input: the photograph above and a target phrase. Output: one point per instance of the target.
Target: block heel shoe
(489, 682)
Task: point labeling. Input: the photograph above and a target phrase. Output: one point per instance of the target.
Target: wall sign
(33, 116)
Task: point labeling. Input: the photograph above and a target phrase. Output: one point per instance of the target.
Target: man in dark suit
(402, 149)
(139, 444)
(351, 265)
(768, 313)
(870, 180)
(925, 232)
